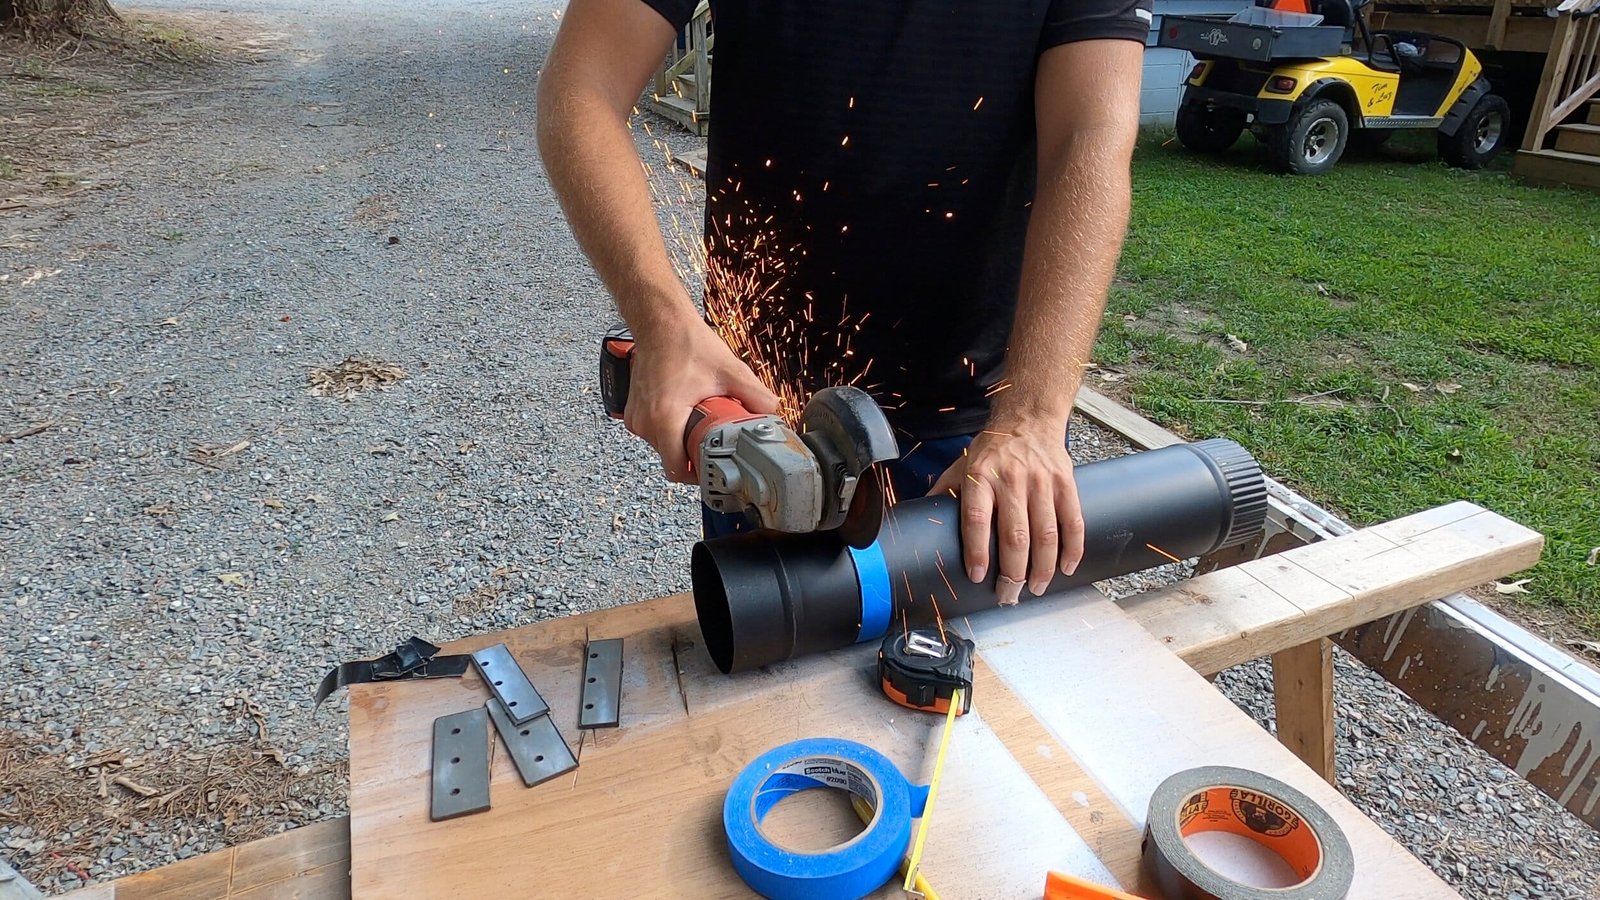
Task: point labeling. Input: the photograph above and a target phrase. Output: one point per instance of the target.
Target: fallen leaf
(217, 451)
(1515, 587)
(352, 376)
(317, 498)
(616, 521)
(1591, 646)
(234, 578)
(1413, 388)
(272, 502)
(104, 758)
(1454, 454)
(170, 323)
(391, 517)
(1238, 345)
(164, 508)
(1112, 377)
(39, 275)
(1447, 387)
(1130, 317)
(503, 571)
(134, 786)
(1323, 290)
(1594, 557)
(466, 446)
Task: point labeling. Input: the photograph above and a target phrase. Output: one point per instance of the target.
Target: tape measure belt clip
(850, 870)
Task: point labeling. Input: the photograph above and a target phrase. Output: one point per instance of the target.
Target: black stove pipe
(764, 597)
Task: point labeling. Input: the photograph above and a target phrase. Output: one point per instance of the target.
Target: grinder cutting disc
(849, 434)
(865, 515)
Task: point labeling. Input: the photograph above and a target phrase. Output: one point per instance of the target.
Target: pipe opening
(711, 606)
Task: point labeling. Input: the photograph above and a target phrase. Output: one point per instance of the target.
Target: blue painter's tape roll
(851, 870)
(877, 597)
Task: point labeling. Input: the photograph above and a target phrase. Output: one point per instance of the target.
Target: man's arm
(1017, 477)
(604, 53)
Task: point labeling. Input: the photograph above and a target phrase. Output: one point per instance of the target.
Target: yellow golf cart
(1308, 83)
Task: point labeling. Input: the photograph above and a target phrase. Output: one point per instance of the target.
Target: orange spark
(1164, 553)
(978, 104)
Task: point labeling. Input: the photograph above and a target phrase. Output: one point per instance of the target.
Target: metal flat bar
(536, 746)
(460, 764)
(509, 684)
(601, 699)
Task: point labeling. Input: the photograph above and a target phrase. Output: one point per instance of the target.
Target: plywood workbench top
(1079, 713)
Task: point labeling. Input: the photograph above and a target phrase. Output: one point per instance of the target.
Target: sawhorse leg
(1302, 687)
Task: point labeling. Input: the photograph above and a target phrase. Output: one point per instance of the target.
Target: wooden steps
(680, 110)
(1594, 112)
(1558, 167)
(1580, 139)
(681, 90)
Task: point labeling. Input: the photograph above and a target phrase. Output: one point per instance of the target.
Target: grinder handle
(616, 367)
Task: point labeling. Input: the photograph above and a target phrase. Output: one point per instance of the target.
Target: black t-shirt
(871, 165)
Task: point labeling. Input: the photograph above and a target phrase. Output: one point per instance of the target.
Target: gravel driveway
(198, 536)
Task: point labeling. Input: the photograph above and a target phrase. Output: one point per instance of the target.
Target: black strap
(410, 659)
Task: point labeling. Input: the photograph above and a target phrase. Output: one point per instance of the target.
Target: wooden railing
(1571, 71)
(682, 87)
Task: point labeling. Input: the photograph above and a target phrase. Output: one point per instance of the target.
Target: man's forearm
(1075, 235)
(595, 169)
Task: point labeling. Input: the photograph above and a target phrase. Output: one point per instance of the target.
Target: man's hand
(1019, 487)
(1017, 478)
(675, 367)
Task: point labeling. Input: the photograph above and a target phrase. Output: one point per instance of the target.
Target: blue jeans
(912, 475)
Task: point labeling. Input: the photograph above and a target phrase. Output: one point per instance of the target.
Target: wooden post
(1540, 120)
(1302, 687)
(1498, 20)
(699, 46)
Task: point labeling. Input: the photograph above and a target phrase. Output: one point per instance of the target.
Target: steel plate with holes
(601, 700)
(536, 746)
(501, 672)
(460, 764)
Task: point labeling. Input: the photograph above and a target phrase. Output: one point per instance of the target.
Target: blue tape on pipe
(877, 598)
(851, 870)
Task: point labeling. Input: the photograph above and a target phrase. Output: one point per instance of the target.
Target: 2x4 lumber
(1584, 139)
(1264, 605)
(307, 863)
(1302, 689)
(1556, 167)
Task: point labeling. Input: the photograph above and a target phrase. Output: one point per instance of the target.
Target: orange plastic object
(1058, 886)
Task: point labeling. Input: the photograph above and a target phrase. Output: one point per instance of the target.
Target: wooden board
(308, 862)
(1265, 605)
(1083, 709)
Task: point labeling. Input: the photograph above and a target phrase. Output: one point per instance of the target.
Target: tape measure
(923, 668)
(1249, 805)
(850, 870)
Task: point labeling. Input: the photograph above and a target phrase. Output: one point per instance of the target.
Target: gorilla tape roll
(1190, 808)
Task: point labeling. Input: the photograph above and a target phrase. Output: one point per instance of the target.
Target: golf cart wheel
(1481, 137)
(1311, 141)
(1208, 130)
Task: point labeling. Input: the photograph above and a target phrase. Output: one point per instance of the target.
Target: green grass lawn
(1450, 321)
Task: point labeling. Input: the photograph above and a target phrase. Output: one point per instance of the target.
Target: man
(922, 196)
